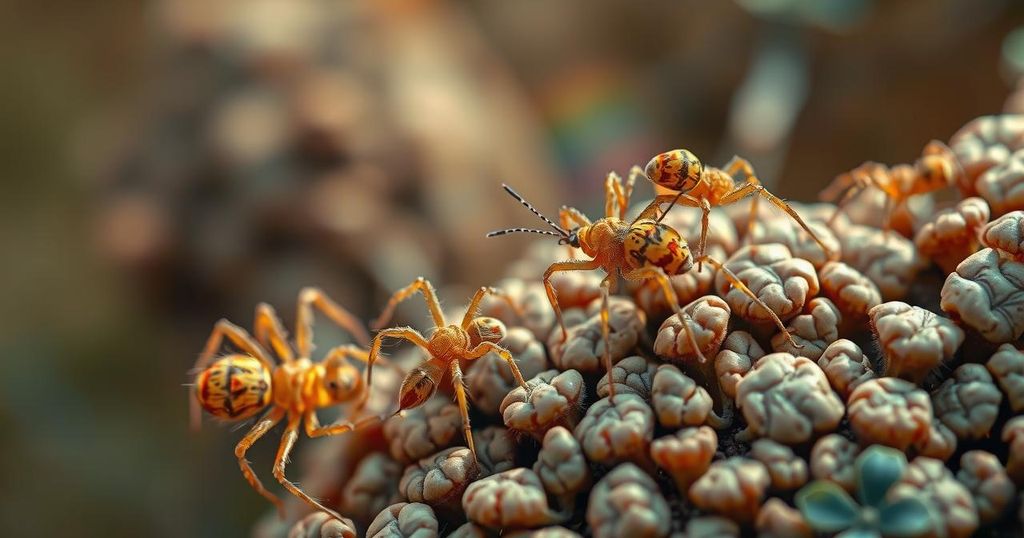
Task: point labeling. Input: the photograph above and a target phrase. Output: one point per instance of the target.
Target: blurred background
(171, 162)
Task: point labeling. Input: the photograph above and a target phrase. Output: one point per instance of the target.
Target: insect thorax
(234, 388)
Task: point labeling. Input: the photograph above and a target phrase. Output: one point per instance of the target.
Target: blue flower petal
(878, 468)
(827, 507)
(904, 518)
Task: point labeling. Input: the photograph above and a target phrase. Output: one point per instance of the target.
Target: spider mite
(681, 171)
(446, 347)
(237, 386)
(636, 250)
(936, 169)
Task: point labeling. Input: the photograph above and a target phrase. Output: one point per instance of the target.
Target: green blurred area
(95, 348)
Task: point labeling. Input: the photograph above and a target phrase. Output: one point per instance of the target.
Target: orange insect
(936, 169)
(237, 386)
(636, 250)
(681, 171)
(449, 344)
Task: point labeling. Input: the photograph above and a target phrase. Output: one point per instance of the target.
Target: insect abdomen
(234, 388)
(677, 170)
(650, 244)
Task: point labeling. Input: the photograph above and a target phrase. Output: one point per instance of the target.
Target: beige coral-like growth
(679, 401)
(814, 330)
(546, 532)
(914, 341)
(986, 480)
(739, 352)
(1007, 366)
(782, 282)
(686, 455)
(439, 480)
(470, 530)
(530, 308)
(495, 449)
(949, 503)
(632, 375)
(968, 402)
(404, 520)
(1013, 436)
(852, 292)
(710, 315)
(323, 525)
(615, 430)
(490, 379)
(583, 349)
(512, 499)
(553, 398)
(1006, 235)
(372, 487)
(1002, 186)
(422, 431)
(986, 142)
(787, 470)
(788, 399)
(561, 466)
(779, 520)
(890, 411)
(733, 488)
(889, 260)
(845, 366)
(832, 458)
(627, 502)
(784, 231)
(987, 293)
(576, 288)
(940, 443)
(951, 235)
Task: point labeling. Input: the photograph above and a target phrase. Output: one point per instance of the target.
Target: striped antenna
(530, 230)
(561, 231)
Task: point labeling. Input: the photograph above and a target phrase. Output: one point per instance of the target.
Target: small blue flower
(829, 508)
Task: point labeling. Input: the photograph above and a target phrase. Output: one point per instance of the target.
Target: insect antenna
(562, 232)
(530, 230)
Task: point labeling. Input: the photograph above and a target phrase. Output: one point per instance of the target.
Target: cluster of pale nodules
(910, 339)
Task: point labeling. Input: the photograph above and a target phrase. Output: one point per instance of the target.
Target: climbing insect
(636, 250)
(449, 344)
(237, 386)
(936, 169)
(694, 185)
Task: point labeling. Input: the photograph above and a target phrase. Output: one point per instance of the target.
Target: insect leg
(404, 333)
(550, 289)
(429, 295)
(270, 333)
(314, 429)
(478, 297)
(756, 188)
(663, 281)
(310, 297)
(738, 284)
(291, 434)
(484, 348)
(460, 396)
(257, 431)
(605, 335)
